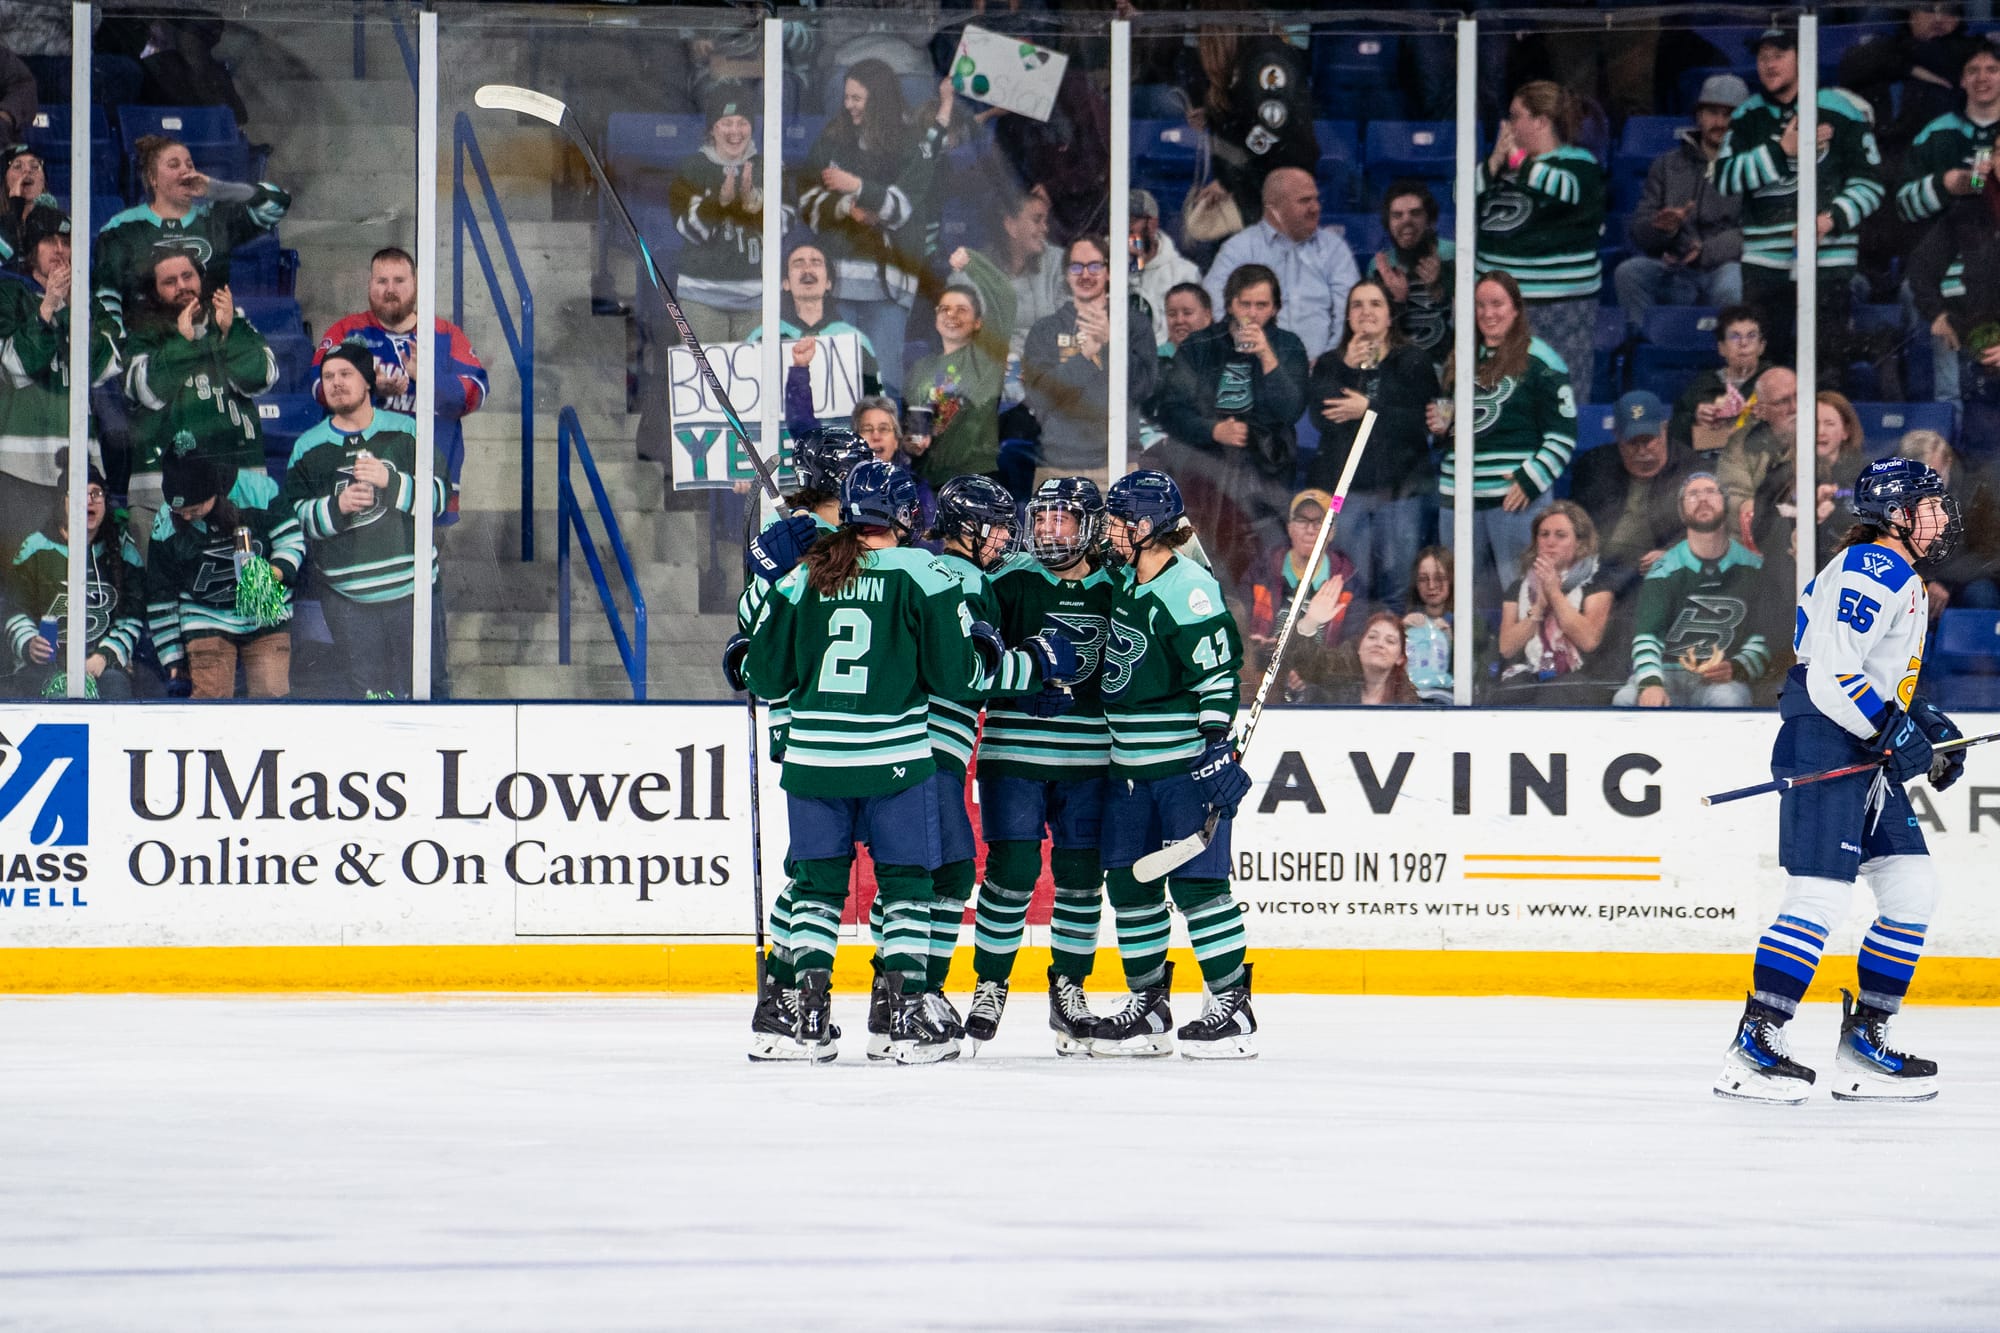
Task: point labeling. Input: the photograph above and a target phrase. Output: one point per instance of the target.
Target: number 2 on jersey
(849, 634)
(1857, 610)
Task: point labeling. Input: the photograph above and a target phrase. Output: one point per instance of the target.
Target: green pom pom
(58, 687)
(259, 595)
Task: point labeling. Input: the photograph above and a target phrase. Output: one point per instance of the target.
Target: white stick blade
(506, 97)
(1169, 858)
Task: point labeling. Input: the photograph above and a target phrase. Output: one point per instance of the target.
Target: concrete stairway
(346, 150)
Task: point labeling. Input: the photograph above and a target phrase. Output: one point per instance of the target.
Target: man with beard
(1696, 643)
(1416, 268)
(389, 329)
(193, 365)
(1688, 235)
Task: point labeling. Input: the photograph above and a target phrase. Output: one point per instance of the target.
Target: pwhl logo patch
(46, 779)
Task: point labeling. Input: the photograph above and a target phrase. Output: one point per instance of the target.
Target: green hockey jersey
(191, 575)
(1523, 430)
(34, 382)
(1754, 165)
(204, 387)
(1543, 224)
(1946, 144)
(955, 722)
(755, 593)
(1688, 603)
(860, 668)
(1030, 599)
(1169, 671)
(369, 556)
(114, 598)
(126, 244)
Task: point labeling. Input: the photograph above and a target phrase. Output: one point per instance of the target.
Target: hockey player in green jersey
(352, 482)
(1042, 765)
(1759, 161)
(1169, 682)
(860, 636)
(975, 525)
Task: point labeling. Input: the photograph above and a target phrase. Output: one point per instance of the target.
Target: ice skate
(1143, 1028)
(982, 1017)
(881, 1006)
(1069, 1015)
(1226, 1030)
(1759, 1066)
(944, 1015)
(774, 1024)
(813, 1030)
(917, 1033)
(1867, 1070)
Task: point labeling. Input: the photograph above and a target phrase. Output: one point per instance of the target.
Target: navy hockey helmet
(1146, 495)
(1887, 494)
(822, 458)
(1058, 544)
(971, 508)
(877, 494)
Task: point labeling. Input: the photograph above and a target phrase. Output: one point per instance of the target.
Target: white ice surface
(598, 1163)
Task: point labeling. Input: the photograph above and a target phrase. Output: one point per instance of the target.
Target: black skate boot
(814, 1030)
(1143, 1028)
(774, 1024)
(1226, 1030)
(881, 1007)
(1069, 1015)
(917, 1031)
(1867, 1070)
(1759, 1066)
(982, 1019)
(944, 1014)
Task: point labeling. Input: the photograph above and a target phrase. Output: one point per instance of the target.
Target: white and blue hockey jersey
(1860, 636)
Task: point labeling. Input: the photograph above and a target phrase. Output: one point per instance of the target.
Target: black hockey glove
(1906, 751)
(986, 642)
(1219, 778)
(774, 552)
(1055, 657)
(1946, 767)
(734, 654)
(1049, 701)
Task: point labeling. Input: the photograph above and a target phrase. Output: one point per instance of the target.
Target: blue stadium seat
(1678, 343)
(1163, 158)
(48, 135)
(1354, 76)
(1339, 168)
(284, 417)
(1683, 328)
(271, 315)
(210, 133)
(263, 268)
(1645, 138)
(1422, 148)
(1969, 693)
(1883, 424)
(1596, 426)
(1967, 643)
(1362, 231)
(634, 139)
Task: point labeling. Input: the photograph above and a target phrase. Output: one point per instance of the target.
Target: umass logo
(45, 786)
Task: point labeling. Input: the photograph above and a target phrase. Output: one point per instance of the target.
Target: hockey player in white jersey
(1859, 637)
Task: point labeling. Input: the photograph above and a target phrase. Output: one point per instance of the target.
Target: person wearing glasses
(1719, 399)
(1755, 468)
(1066, 367)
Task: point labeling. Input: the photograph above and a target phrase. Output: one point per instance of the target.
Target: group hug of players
(1106, 663)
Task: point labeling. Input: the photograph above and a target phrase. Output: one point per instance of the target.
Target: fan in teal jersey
(975, 524)
(861, 636)
(1041, 766)
(821, 460)
(1169, 683)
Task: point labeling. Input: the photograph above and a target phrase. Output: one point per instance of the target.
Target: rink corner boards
(713, 968)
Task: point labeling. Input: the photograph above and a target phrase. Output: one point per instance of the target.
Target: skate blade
(1067, 1045)
(1859, 1088)
(878, 1046)
(1228, 1048)
(923, 1055)
(1132, 1048)
(782, 1052)
(1736, 1086)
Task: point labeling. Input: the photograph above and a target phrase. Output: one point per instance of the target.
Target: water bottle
(243, 552)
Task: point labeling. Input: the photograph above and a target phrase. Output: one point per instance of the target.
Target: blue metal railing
(570, 521)
(520, 334)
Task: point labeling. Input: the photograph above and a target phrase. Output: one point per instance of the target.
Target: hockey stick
(507, 97)
(1786, 784)
(1177, 854)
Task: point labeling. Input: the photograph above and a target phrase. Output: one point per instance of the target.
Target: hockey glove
(773, 552)
(1906, 751)
(1049, 701)
(988, 644)
(1945, 768)
(1219, 778)
(1055, 657)
(734, 654)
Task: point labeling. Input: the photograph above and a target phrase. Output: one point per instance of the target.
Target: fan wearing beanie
(219, 575)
